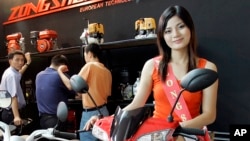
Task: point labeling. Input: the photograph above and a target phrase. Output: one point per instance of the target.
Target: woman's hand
(90, 123)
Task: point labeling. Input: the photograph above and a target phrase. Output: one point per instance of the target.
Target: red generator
(44, 40)
(13, 42)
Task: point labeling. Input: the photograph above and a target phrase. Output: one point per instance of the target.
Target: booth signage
(44, 7)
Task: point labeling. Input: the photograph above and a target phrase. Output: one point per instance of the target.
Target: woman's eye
(181, 26)
(167, 31)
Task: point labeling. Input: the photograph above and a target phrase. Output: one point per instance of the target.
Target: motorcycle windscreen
(126, 123)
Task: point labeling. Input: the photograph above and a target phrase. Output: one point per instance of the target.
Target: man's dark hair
(58, 60)
(95, 49)
(15, 52)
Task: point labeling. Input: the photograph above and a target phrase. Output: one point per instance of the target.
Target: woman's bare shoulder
(149, 66)
(211, 65)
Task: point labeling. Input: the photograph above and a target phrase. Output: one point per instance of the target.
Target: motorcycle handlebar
(66, 135)
(189, 131)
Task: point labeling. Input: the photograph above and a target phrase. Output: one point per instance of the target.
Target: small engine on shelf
(93, 34)
(145, 28)
(44, 40)
(15, 41)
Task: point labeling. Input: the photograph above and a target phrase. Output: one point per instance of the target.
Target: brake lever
(26, 121)
(193, 137)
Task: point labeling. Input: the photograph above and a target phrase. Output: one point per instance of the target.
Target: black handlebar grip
(190, 131)
(65, 135)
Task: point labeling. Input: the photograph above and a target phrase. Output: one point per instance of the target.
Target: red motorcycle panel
(154, 125)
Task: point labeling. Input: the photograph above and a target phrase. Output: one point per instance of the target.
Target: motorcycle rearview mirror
(5, 99)
(198, 79)
(195, 80)
(62, 111)
(80, 85)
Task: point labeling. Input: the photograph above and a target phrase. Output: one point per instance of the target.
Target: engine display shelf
(106, 46)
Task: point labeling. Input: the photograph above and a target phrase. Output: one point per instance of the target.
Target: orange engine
(96, 30)
(13, 41)
(145, 27)
(47, 34)
(45, 40)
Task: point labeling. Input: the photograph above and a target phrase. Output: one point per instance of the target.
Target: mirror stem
(57, 124)
(170, 117)
(94, 103)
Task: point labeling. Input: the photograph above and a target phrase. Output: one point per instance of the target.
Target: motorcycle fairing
(126, 123)
(155, 126)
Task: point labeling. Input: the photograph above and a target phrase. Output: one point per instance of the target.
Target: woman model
(177, 45)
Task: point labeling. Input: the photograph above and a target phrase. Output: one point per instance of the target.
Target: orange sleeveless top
(162, 106)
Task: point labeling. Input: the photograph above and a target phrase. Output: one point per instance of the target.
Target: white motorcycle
(5, 130)
(50, 133)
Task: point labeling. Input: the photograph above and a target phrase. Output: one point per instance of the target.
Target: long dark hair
(164, 49)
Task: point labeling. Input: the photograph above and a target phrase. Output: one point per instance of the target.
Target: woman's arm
(209, 101)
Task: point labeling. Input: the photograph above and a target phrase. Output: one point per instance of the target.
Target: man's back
(50, 90)
(99, 80)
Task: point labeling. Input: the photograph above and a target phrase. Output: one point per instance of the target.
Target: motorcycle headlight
(164, 135)
(100, 133)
